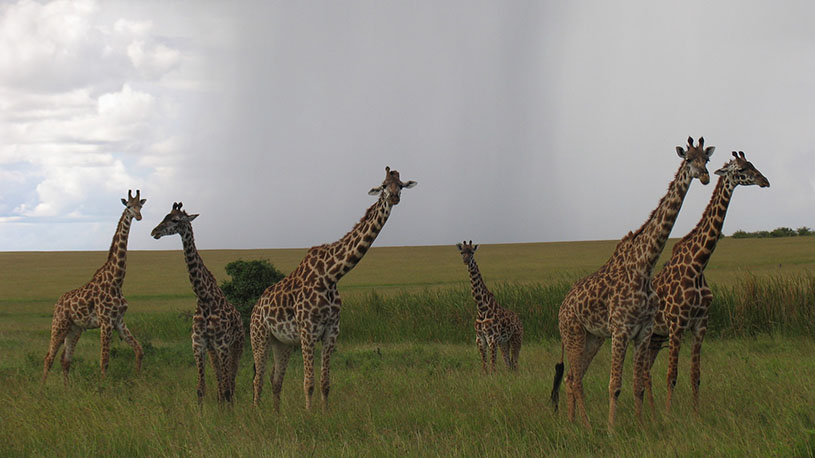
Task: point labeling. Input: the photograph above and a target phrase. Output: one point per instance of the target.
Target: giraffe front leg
(217, 359)
(105, 333)
(696, 364)
(127, 336)
(59, 329)
(481, 344)
(200, 353)
(653, 351)
(641, 360)
(673, 363)
(307, 347)
(329, 341)
(493, 348)
(619, 344)
(67, 354)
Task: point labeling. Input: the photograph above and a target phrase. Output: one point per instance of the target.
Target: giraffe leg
(516, 350)
(234, 359)
(673, 363)
(653, 350)
(281, 362)
(200, 353)
(619, 344)
(493, 348)
(105, 334)
(482, 349)
(591, 346)
(67, 354)
(260, 353)
(307, 347)
(218, 358)
(642, 342)
(696, 362)
(127, 336)
(329, 341)
(505, 352)
(575, 343)
(59, 329)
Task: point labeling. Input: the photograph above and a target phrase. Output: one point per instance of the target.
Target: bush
(249, 279)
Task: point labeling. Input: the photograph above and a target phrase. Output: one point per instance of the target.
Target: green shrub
(248, 281)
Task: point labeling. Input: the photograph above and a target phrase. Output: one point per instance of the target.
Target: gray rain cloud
(521, 121)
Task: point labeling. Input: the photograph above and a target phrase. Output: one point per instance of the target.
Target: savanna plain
(406, 375)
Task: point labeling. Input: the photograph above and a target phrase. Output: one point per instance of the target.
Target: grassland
(406, 378)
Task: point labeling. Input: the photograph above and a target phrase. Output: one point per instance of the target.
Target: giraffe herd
(623, 300)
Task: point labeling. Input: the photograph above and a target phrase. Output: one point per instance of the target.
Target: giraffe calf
(495, 326)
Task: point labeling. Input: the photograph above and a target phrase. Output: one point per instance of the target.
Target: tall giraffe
(99, 303)
(216, 324)
(304, 307)
(495, 326)
(618, 301)
(681, 286)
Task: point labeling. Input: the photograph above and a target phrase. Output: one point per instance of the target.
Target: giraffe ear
(709, 151)
(459, 246)
(375, 191)
(680, 152)
(410, 184)
(142, 201)
(475, 247)
(124, 202)
(192, 217)
(722, 171)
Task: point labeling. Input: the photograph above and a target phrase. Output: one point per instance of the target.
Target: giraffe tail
(555, 396)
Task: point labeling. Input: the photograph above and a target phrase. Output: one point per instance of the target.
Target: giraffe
(494, 325)
(681, 286)
(304, 307)
(618, 301)
(99, 303)
(216, 325)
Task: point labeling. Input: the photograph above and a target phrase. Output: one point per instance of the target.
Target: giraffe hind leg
(59, 329)
(127, 336)
(67, 354)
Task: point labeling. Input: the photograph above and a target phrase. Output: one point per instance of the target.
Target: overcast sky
(521, 121)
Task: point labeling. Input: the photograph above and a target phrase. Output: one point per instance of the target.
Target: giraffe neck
(649, 240)
(200, 277)
(347, 251)
(706, 234)
(117, 255)
(481, 295)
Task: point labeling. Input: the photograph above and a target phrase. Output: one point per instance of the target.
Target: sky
(521, 121)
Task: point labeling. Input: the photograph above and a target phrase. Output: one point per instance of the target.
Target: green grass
(406, 378)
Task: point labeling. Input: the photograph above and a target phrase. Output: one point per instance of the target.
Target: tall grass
(769, 305)
(753, 305)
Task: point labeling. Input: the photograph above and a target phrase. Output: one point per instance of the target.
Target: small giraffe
(494, 325)
(618, 300)
(681, 285)
(216, 324)
(304, 307)
(97, 304)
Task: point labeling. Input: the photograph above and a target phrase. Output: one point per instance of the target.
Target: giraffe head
(696, 158)
(742, 172)
(467, 250)
(391, 188)
(134, 204)
(174, 223)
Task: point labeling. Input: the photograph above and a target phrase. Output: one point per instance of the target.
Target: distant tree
(740, 234)
(783, 232)
(248, 281)
(804, 231)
